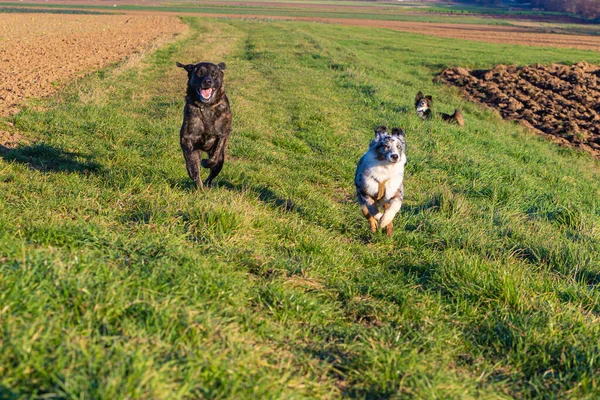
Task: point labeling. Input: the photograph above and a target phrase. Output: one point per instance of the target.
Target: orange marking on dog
(381, 190)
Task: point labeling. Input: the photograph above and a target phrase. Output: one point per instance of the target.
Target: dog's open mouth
(206, 94)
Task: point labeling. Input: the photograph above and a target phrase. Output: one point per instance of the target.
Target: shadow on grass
(7, 394)
(589, 278)
(330, 347)
(45, 158)
(185, 184)
(265, 195)
(262, 192)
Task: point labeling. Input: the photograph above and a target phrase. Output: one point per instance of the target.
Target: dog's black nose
(394, 157)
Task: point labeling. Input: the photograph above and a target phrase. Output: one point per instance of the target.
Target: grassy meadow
(119, 280)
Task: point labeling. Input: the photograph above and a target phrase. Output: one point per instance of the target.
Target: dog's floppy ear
(430, 99)
(222, 66)
(397, 132)
(419, 96)
(380, 130)
(187, 67)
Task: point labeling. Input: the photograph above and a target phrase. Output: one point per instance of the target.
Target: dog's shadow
(264, 194)
(185, 184)
(46, 158)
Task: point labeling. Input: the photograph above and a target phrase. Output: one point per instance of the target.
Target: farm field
(558, 100)
(521, 29)
(40, 51)
(119, 280)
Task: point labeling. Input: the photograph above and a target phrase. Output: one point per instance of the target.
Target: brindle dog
(206, 120)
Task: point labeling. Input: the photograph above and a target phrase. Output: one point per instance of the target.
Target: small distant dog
(206, 120)
(423, 106)
(379, 178)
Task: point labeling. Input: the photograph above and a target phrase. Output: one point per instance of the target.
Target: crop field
(40, 51)
(533, 29)
(119, 280)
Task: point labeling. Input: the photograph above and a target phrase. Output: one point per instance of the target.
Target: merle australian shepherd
(379, 178)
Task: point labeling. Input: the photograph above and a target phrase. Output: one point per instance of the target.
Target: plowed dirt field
(560, 101)
(39, 52)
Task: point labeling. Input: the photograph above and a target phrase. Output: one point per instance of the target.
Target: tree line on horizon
(583, 8)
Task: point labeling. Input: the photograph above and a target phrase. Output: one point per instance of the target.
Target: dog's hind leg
(372, 221)
(216, 155)
(369, 210)
(389, 229)
(192, 161)
(391, 209)
(214, 170)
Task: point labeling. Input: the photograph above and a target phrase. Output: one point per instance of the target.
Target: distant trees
(584, 8)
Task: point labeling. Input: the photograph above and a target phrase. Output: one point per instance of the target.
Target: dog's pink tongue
(206, 93)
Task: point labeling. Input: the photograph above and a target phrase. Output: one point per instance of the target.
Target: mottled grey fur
(379, 177)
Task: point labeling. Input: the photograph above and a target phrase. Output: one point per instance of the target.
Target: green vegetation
(7, 10)
(119, 280)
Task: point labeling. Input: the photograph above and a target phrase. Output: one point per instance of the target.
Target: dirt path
(38, 52)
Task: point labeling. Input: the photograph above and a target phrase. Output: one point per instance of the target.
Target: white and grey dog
(379, 178)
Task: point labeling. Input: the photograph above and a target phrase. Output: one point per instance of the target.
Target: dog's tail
(456, 117)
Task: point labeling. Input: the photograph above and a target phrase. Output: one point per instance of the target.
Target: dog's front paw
(206, 163)
(386, 220)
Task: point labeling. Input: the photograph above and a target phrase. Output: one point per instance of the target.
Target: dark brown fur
(206, 122)
(457, 117)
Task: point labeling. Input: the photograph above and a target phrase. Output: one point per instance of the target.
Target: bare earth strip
(37, 51)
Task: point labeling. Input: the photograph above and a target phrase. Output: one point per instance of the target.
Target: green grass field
(118, 280)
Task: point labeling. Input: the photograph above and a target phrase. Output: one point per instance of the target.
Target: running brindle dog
(206, 120)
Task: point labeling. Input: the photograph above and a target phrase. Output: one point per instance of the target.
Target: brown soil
(559, 101)
(40, 51)
(10, 140)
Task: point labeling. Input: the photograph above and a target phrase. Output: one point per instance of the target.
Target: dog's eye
(213, 74)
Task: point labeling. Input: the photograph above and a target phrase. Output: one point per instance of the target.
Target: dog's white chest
(390, 176)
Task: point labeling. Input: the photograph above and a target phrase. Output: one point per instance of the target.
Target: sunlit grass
(119, 280)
